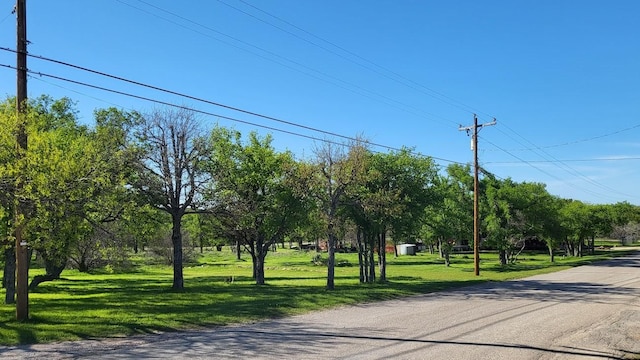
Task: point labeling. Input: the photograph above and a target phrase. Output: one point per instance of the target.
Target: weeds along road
(588, 312)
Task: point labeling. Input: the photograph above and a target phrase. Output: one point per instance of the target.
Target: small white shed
(406, 249)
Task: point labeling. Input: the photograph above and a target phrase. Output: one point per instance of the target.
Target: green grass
(108, 305)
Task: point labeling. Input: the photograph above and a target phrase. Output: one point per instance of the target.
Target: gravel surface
(588, 312)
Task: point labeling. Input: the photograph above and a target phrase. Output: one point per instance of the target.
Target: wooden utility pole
(476, 190)
(22, 258)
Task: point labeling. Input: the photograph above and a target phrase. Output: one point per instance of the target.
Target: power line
(412, 84)
(566, 167)
(232, 118)
(153, 87)
(545, 172)
(580, 140)
(564, 160)
(181, 95)
(357, 89)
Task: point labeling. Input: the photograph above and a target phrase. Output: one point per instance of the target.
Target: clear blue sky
(561, 77)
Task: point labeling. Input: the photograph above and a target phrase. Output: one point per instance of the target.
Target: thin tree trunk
(551, 254)
(372, 263)
(361, 250)
(503, 257)
(382, 256)
(332, 260)
(238, 249)
(9, 275)
(176, 240)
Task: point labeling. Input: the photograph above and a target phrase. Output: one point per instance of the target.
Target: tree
(574, 217)
(259, 195)
(170, 173)
(398, 189)
(337, 171)
(447, 219)
(72, 171)
(516, 212)
(78, 178)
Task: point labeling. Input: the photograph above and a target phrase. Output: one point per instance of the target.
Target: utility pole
(22, 257)
(476, 189)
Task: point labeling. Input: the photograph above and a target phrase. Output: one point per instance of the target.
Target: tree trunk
(382, 256)
(53, 272)
(372, 267)
(259, 267)
(9, 275)
(176, 240)
(372, 263)
(331, 262)
(447, 259)
(361, 250)
(238, 249)
(440, 247)
(551, 254)
(503, 257)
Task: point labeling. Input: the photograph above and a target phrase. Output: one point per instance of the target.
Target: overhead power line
(119, 78)
(220, 116)
(567, 167)
(368, 64)
(229, 107)
(309, 71)
(564, 160)
(546, 172)
(573, 142)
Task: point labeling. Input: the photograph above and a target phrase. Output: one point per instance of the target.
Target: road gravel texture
(587, 312)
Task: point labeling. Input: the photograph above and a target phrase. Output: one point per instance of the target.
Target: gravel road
(588, 312)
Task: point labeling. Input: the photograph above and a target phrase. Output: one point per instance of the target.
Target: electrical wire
(564, 160)
(355, 140)
(596, 194)
(182, 95)
(573, 142)
(349, 86)
(398, 78)
(566, 167)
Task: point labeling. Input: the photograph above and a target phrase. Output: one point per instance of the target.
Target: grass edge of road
(219, 290)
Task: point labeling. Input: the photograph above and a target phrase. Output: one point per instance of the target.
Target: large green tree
(258, 194)
(448, 220)
(75, 180)
(516, 212)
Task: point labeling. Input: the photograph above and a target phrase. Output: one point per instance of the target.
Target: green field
(140, 301)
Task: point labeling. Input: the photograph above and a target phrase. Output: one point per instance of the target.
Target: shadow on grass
(145, 303)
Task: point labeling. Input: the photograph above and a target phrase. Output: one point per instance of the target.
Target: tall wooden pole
(22, 259)
(476, 190)
(476, 201)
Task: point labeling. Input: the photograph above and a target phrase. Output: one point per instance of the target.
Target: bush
(98, 250)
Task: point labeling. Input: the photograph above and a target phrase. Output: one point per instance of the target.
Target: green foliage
(260, 195)
(74, 176)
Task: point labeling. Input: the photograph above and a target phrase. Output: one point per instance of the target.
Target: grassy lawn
(107, 305)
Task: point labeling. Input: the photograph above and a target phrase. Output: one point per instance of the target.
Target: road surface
(588, 312)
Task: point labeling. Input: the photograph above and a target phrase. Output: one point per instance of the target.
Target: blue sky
(561, 77)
